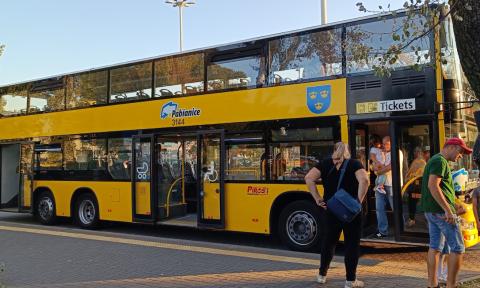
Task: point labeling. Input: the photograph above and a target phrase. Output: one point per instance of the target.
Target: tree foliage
(466, 23)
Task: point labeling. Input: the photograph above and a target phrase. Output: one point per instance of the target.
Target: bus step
(189, 220)
(174, 211)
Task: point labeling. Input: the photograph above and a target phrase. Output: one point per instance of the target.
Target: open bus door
(360, 138)
(26, 177)
(359, 134)
(413, 141)
(143, 203)
(211, 175)
(175, 177)
(409, 151)
(16, 162)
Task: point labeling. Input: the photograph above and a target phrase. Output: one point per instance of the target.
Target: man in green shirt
(438, 202)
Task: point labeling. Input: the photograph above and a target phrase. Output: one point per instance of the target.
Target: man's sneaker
(442, 281)
(380, 190)
(354, 284)
(442, 278)
(410, 223)
(380, 235)
(321, 279)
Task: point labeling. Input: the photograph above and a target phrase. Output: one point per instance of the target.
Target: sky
(50, 37)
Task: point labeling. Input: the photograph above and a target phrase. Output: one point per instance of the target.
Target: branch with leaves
(422, 17)
(465, 16)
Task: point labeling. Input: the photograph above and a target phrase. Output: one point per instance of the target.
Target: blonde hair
(341, 150)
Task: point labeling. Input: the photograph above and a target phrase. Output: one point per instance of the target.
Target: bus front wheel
(46, 209)
(299, 226)
(86, 211)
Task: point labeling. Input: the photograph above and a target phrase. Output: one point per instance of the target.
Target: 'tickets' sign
(386, 106)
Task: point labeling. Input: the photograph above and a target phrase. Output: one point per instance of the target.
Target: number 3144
(177, 122)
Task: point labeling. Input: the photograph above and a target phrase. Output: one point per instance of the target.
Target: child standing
(377, 158)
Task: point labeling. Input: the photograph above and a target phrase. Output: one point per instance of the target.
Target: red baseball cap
(459, 142)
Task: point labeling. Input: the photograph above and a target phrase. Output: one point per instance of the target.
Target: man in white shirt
(380, 198)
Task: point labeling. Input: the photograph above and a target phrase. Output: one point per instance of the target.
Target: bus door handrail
(406, 185)
(170, 192)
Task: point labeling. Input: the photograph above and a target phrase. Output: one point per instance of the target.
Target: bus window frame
(136, 98)
(431, 42)
(257, 49)
(203, 54)
(69, 82)
(260, 141)
(341, 27)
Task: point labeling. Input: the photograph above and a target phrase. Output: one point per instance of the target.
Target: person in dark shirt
(355, 182)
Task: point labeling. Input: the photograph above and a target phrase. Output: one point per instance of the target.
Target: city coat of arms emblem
(319, 98)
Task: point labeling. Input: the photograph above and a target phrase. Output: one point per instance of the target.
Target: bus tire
(299, 226)
(86, 211)
(45, 209)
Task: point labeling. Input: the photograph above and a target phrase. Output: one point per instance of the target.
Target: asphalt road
(134, 255)
(64, 255)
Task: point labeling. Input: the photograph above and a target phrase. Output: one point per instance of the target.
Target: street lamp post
(180, 4)
(324, 11)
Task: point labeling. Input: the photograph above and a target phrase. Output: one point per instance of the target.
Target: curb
(466, 280)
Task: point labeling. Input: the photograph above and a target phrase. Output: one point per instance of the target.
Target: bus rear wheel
(86, 211)
(45, 209)
(299, 226)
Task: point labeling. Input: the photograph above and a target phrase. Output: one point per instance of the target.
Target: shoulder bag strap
(331, 170)
(344, 167)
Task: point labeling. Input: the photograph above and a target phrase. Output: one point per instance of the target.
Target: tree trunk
(467, 34)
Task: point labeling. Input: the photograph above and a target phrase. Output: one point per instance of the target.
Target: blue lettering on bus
(173, 110)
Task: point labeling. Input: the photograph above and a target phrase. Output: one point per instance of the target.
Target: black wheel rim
(45, 208)
(87, 212)
(301, 228)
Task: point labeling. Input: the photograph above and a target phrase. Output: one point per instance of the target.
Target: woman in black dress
(355, 182)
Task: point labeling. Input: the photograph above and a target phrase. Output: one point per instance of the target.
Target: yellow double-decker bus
(221, 138)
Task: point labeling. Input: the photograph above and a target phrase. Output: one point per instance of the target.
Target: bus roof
(333, 24)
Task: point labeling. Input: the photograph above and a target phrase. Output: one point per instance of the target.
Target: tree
(466, 24)
(467, 32)
(2, 47)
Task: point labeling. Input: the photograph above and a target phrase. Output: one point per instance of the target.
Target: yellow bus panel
(211, 201)
(248, 205)
(27, 193)
(142, 198)
(114, 198)
(279, 102)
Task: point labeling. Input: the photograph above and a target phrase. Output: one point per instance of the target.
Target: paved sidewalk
(121, 260)
(385, 274)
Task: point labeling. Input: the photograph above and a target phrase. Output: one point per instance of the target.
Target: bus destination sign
(172, 110)
(386, 106)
